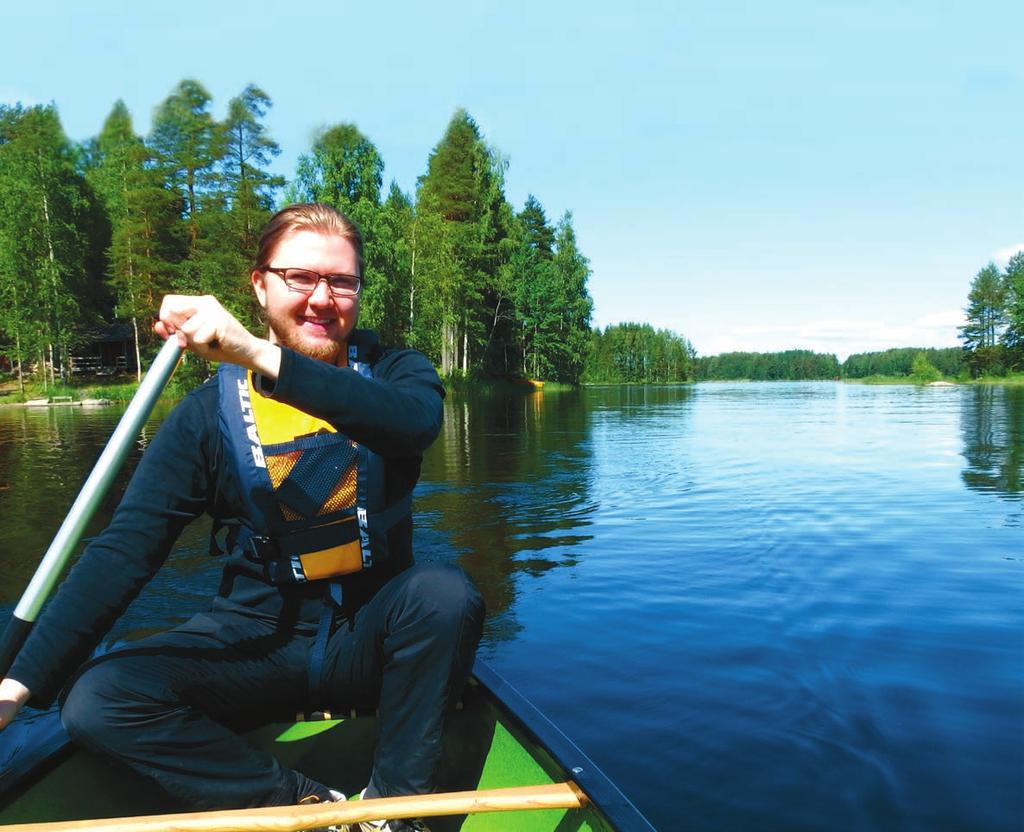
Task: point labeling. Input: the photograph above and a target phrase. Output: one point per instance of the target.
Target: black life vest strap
(318, 652)
(315, 678)
(382, 521)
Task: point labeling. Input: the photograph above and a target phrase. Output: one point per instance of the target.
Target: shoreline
(120, 393)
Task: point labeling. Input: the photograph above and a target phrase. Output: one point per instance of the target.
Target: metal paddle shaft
(88, 500)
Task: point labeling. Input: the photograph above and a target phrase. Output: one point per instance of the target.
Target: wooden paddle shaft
(290, 818)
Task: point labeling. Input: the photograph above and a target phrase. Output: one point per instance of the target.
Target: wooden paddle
(290, 818)
(88, 500)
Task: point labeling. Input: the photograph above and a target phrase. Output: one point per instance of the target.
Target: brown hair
(307, 216)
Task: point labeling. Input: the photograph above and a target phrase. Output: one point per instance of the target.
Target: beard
(287, 334)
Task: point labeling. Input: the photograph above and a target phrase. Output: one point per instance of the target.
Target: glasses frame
(282, 272)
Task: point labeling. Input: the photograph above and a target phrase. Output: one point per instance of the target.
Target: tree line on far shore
(625, 353)
(993, 345)
(101, 230)
(992, 338)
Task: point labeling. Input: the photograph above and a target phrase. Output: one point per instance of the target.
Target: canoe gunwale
(616, 808)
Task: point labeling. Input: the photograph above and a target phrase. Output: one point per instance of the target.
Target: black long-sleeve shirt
(186, 472)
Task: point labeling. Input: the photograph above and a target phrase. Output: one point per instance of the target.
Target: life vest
(315, 499)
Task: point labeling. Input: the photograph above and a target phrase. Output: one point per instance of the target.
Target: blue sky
(752, 175)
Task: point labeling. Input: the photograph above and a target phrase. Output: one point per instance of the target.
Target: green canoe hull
(496, 739)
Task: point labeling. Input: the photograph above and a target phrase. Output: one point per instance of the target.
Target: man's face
(318, 324)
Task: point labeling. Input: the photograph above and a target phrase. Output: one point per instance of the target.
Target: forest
(796, 365)
(95, 232)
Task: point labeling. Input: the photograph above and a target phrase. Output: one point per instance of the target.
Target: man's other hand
(13, 694)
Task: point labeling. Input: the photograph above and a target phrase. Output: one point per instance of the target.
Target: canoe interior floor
(482, 750)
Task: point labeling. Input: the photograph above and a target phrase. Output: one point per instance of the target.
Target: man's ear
(259, 285)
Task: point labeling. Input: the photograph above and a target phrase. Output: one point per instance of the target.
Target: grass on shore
(121, 389)
(883, 379)
(1012, 379)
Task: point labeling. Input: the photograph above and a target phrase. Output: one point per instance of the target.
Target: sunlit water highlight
(756, 606)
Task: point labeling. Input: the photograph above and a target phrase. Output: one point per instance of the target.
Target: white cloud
(1002, 256)
(842, 337)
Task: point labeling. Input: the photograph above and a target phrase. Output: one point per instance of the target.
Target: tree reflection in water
(509, 489)
(992, 427)
(505, 491)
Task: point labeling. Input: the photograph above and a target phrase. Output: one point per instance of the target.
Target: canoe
(496, 740)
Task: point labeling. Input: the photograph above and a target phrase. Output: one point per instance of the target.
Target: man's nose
(321, 294)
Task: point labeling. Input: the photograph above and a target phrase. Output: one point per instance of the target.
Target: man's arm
(167, 490)
(396, 413)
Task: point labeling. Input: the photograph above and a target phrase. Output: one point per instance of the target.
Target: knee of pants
(101, 704)
(444, 595)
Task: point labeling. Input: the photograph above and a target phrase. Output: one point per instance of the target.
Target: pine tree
(249, 151)
(463, 189)
(188, 145)
(143, 215)
(238, 202)
(1013, 337)
(535, 288)
(540, 235)
(572, 271)
(986, 319)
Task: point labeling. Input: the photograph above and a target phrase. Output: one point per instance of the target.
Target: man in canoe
(306, 449)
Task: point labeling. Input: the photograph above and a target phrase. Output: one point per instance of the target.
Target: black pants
(163, 705)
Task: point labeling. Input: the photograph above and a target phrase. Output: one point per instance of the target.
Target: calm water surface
(756, 606)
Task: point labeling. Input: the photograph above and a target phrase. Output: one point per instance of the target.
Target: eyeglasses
(306, 281)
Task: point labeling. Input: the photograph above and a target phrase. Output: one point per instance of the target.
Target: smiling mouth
(321, 322)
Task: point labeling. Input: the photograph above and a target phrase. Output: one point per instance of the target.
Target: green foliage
(922, 370)
(986, 320)
(549, 290)
(345, 170)
(146, 236)
(449, 203)
(899, 362)
(105, 229)
(540, 237)
(795, 365)
(464, 225)
(388, 299)
(187, 144)
(1013, 337)
(638, 353)
(49, 298)
(248, 152)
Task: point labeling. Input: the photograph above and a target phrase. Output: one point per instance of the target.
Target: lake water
(756, 606)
